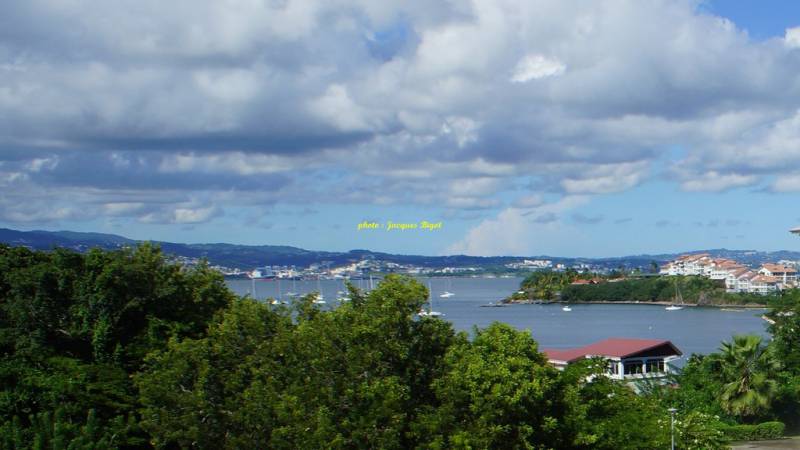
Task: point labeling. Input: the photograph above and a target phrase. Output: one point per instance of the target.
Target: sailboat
(430, 312)
(293, 292)
(343, 295)
(447, 293)
(678, 299)
(319, 299)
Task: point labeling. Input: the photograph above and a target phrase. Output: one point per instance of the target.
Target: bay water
(692, 329)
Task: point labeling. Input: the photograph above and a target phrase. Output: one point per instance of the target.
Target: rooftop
(780, 268)
(613, 347)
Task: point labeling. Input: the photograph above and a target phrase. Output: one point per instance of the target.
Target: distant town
(737, 277)
(767, 278)
(746, 271)
(371, 266)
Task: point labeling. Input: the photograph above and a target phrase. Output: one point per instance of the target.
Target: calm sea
(693, 330)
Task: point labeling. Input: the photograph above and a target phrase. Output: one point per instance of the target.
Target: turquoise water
(693, 330)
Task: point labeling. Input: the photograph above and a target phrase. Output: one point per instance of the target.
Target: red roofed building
(579, 282)
(627, 358)
(786, 275)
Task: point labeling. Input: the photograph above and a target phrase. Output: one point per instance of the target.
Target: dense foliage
(663, 289)
(546, 284)
(761, 431)
(617, 287)
(73, 328)
(123, 350)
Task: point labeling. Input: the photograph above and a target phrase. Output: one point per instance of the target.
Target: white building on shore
(787, 275)
(737, 277)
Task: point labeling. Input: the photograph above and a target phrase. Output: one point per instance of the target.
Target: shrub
(760, 432)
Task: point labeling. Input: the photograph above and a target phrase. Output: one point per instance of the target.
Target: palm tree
(748, 369)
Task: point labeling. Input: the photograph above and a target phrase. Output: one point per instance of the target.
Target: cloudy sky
(526, 127)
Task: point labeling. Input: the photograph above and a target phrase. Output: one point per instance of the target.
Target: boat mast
(678, 297)
(430, 298)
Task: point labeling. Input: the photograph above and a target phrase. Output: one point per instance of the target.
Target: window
(633, 367)
(613, 368)
(655, 366)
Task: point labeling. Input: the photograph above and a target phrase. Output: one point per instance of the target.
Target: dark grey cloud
(545, 218)
(587, 220)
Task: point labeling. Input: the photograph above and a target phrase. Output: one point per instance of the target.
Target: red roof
(613, 347)
(779, 268)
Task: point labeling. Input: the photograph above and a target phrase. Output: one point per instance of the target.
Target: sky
(558, 127)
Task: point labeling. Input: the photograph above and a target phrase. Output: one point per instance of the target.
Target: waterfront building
(786, 275)
(721, 267)
(696, 264)
(737, 277)
(627, 359)
(763, 284)
(743, 281)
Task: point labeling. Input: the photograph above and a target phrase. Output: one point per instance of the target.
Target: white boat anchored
(430, 312)
(678, 300)
(319, 299)
(293, 293)
(566, 308)
(448, 286)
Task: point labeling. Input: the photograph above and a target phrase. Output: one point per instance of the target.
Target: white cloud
(234, 162)
(197, 215)
(180, 215)
(337, 107)
(792, 37)
(507, 234)
(123, 208)
(534, 67)
(713, 181)
(463, 129)
(235, 85)
(606, 178)
(517, 231)
(786, 183)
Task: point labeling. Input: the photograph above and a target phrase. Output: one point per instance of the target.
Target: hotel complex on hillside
(737, 277)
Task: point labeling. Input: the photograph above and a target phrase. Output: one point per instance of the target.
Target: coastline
(632, 302)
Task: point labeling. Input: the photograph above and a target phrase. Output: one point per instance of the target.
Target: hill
(249, 256)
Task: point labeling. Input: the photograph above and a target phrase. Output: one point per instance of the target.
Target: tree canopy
(121, 349)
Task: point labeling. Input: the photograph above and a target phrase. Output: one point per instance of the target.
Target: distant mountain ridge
(249, 256)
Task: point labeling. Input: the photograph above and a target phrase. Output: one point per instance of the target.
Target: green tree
(74, 327)
(700, 431)
(499, 391)
(748, 372)
(613, 417)
(354, 376)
